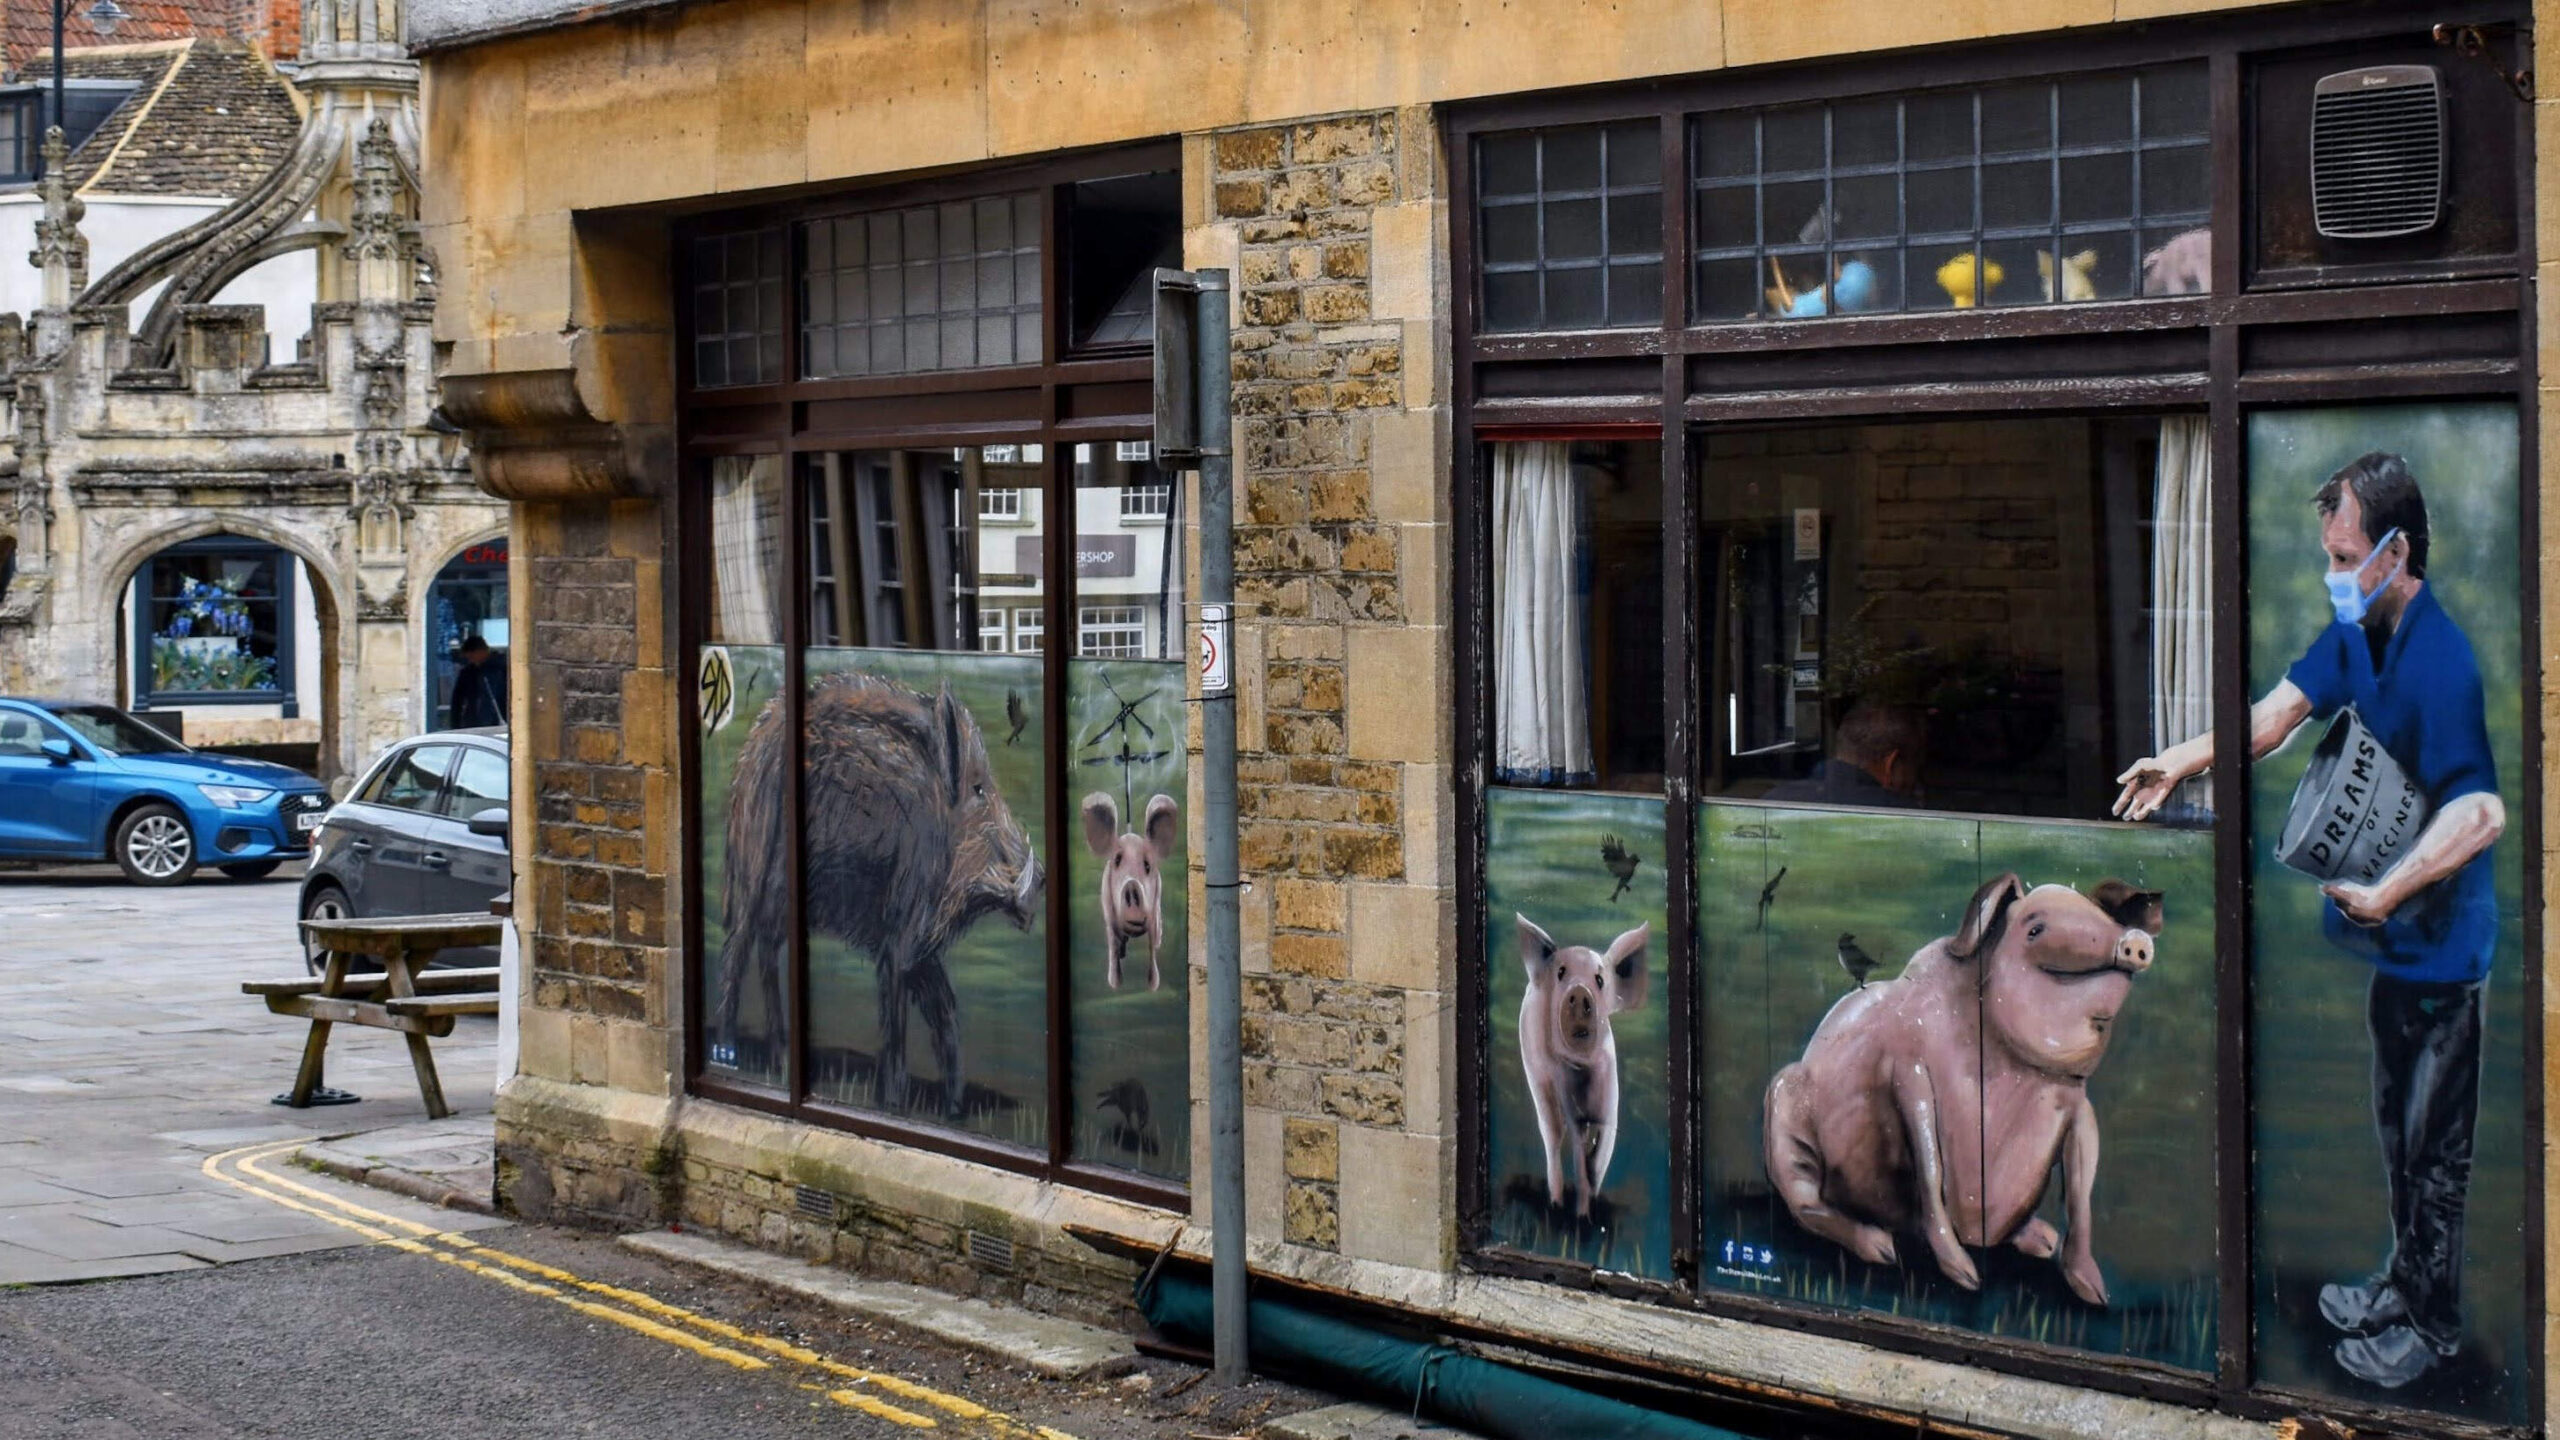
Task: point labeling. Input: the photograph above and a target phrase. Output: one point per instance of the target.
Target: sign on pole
(1216, 635)
(1177, 350)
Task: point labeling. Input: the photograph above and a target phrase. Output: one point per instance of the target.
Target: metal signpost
(1192, 425)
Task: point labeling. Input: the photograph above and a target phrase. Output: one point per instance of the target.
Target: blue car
(89, 782)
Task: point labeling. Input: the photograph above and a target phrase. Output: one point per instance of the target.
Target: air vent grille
(991, 1252)
(814, 1204)
(2377, 152)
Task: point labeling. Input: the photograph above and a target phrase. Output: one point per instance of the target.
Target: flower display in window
(202, 646)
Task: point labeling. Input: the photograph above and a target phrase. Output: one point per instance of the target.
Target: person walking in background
(479, 688)
(2428, 925)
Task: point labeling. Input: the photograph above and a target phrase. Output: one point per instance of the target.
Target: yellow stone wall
(728, 98)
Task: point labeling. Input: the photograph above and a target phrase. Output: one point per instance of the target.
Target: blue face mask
(2347, 595)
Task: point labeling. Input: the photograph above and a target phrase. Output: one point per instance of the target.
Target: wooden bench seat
(428, 982)
(483, 1002)
(402, 995)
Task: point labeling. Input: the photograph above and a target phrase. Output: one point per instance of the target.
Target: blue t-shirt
(2425, 707)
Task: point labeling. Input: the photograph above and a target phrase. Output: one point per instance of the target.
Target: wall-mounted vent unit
(2377, 152)
(990, 1252)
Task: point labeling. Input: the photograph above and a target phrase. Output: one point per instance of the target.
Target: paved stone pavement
(128, 1056)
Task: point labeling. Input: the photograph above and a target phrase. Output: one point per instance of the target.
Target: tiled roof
(207, 118)
(26, 26)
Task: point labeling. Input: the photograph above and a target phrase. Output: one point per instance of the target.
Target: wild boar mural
(735, 684)
(1940, 1103)
(910, 842)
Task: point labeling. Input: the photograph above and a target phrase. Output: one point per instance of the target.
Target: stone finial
(61, 252)
(378, 234)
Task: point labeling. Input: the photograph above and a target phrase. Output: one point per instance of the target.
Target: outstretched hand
(2148, 783)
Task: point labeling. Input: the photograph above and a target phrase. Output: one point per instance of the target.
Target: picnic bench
(404, 995)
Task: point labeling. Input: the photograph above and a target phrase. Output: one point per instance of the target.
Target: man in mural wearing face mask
(2428, 925)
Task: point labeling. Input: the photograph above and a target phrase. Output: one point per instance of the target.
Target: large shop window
(213, 625)
(928, 766)
(939, 827)
(2006, 832)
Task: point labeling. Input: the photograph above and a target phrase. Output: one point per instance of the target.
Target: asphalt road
(136, 1137)
(389, 1345)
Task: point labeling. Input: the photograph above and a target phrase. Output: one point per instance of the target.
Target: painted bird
(1129, 1097)
(1769, 897)
(1017, 713)
(1622, 862)
(1857, 962)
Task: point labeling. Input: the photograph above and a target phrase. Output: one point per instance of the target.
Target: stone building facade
(1335, 164)
(142, 427)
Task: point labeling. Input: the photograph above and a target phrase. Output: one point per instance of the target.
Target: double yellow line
(868, 1391)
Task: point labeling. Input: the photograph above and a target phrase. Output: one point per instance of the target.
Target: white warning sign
(1216, 672)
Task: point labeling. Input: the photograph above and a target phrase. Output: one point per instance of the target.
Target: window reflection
(2086, 188)
(922, 549)
(1577, 597)
(1128, 590)
(1988, 616)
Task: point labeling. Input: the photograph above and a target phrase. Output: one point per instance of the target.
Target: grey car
(404, 841)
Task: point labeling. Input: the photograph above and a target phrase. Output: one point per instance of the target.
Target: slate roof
(207, 118)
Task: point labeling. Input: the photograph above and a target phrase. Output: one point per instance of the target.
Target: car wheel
(155, 847)
(327, 902)
(252, 869)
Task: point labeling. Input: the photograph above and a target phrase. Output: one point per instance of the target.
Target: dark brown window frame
(2225, 354)
(1101, 394)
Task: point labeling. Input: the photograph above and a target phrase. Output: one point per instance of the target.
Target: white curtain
(1542, 731)
(746, 524)
(2182, 592)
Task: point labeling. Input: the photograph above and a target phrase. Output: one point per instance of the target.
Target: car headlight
(233, 797)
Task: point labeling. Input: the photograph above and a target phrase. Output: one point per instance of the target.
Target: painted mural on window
(738, 675)
(1128, 966)
(1951, 1072)
(1128, 864)
(924, 844)
(1580, 1154)
(746, 1027)
(2387, 930)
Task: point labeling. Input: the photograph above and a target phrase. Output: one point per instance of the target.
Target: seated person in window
(1875, 759)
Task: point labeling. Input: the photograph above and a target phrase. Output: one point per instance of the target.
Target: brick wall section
(1329, 226)
(595, 901)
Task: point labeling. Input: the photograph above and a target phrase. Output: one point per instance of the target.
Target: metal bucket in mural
(1921, 1034)
(2354, 811)
(2387, 1043)
(736, 685)
(1580, 1152)
(1127, 879)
